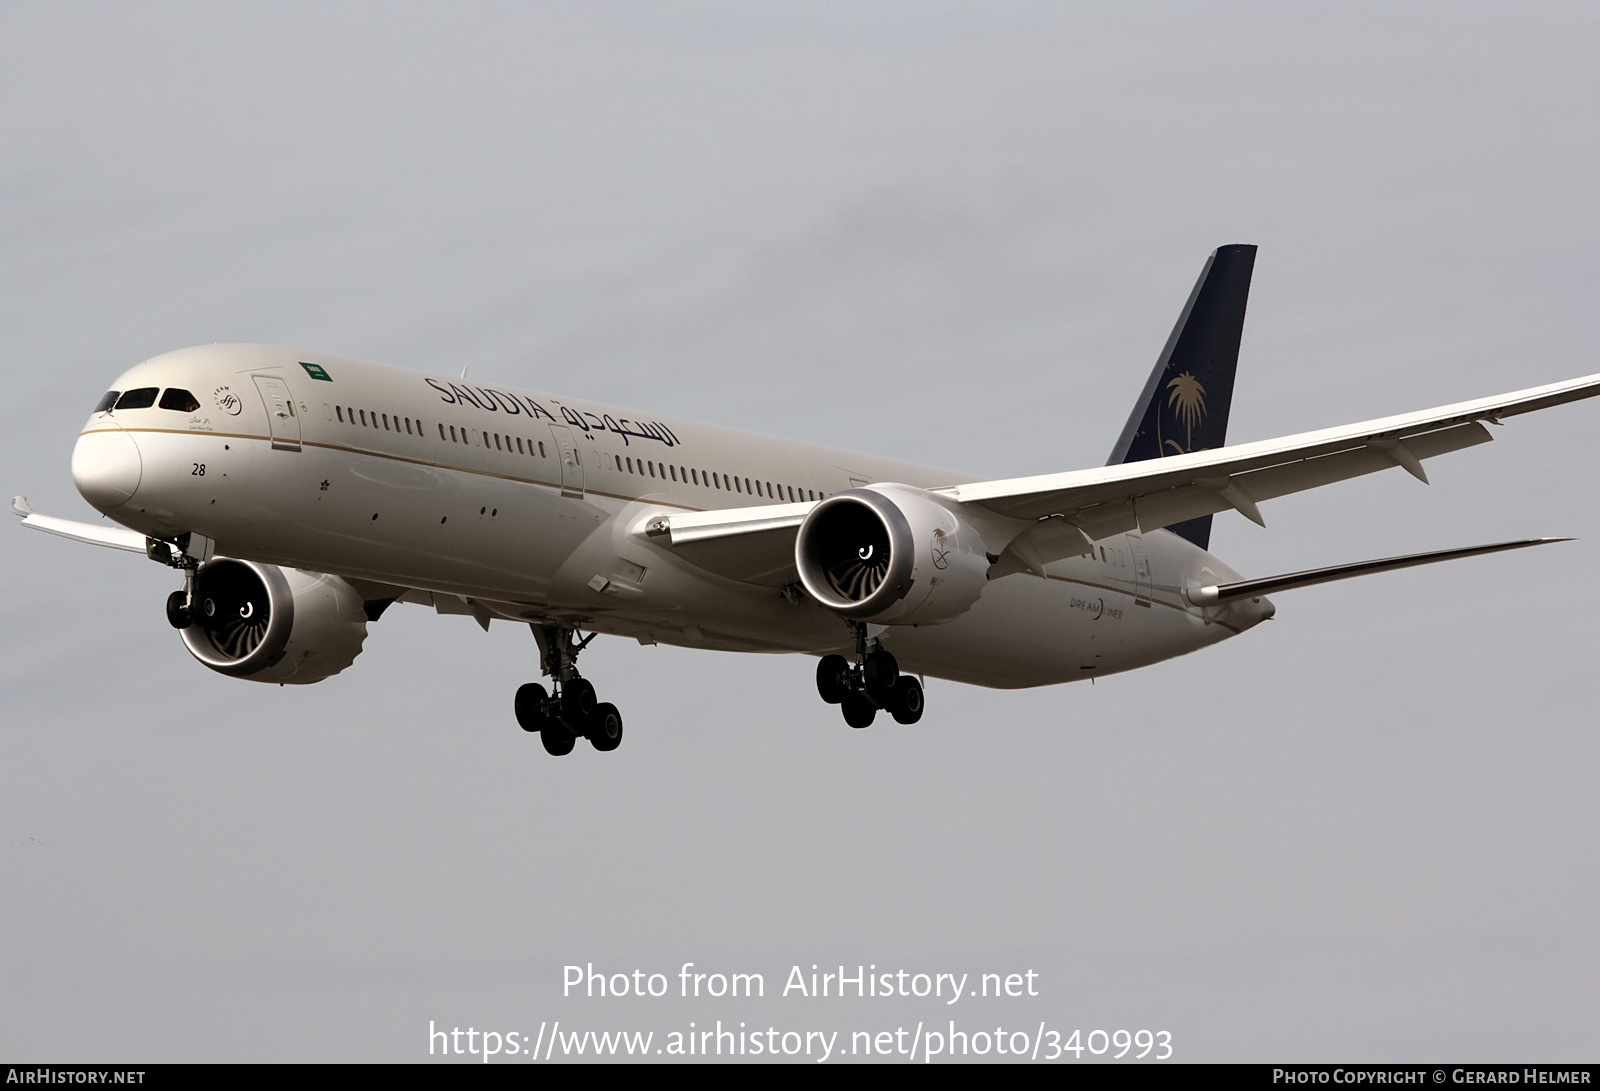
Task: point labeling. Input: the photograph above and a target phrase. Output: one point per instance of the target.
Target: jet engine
(272, 624)
(891, 555)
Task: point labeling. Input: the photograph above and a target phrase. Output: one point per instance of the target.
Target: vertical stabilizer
(1184, 405)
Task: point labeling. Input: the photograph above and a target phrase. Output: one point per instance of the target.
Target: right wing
(112, 536)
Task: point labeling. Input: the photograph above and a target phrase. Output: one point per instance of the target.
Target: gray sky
(956, 234)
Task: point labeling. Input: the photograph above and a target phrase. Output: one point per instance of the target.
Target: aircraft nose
(106, 467)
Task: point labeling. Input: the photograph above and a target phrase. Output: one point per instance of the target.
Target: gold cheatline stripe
(400, 458)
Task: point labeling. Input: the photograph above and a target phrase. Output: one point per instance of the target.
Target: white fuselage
(509, 504)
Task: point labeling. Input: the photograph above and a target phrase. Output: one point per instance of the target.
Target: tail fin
(1184, 405)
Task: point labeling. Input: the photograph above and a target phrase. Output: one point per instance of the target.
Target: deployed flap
(1312, 576)
(1160, 492)
(752, 545)
(114, 537)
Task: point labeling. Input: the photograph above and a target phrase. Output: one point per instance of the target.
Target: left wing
(1161, 491)
(752, 545)
(1057, 515)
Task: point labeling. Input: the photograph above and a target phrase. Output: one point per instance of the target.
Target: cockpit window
(107, 402)
(181, 400)
(143, 398)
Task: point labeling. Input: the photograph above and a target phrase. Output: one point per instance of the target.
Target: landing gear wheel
(833, 678)
(906, 703)
(605, 730)
(531, 714)
(178, 614)
(578, 702)
(858, 711)
(557, 739)
(880, 673)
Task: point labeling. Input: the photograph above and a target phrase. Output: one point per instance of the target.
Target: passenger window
(104, 404)
(338, 411)
(736, 487)
(541, 449)
(519, 446)
(652, 466)
(386, 422)
(619, 461)
(497, 441)
(180, 400)
(363, 413)
(441, 429)
(673, 470)
(142, 398)
(408, 426)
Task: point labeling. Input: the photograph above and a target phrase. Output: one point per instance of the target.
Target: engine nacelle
(892, 555)
(272, 624)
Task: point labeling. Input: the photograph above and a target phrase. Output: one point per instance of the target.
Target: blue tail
(1184, 405)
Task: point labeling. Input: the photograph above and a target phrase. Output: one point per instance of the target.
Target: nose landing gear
(860, 691)
(573, 710)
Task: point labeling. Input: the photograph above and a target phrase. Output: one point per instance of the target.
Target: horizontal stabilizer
(1205, 596)
(114, 537)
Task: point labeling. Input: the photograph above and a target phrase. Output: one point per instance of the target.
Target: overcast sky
(950, 233)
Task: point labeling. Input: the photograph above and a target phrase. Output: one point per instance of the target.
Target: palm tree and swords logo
(1186, 398)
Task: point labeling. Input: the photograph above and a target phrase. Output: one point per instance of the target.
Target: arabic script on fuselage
(491, 400)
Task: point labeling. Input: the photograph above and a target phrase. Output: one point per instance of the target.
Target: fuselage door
(571, 462)
(281, 419)
(1141, 570)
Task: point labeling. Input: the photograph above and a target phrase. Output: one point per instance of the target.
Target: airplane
(300, 495)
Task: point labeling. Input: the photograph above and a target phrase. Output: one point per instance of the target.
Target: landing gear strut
(572, 710)
(180, 604)
(876, 682)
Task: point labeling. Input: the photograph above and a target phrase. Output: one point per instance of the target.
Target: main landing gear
(860, 691)
(572, 710)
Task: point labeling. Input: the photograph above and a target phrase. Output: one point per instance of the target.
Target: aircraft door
(281, 419)
(571, 462)
(1142, 582)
